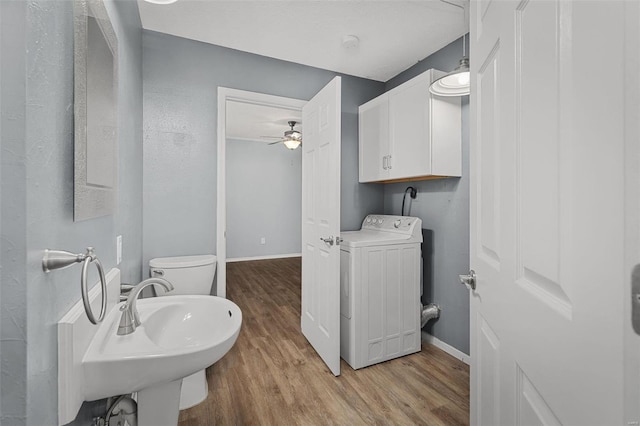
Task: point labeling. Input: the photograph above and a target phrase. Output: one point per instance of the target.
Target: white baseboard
(428, 338)
(271, 256)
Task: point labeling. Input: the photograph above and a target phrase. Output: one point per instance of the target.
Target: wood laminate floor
(272, 376)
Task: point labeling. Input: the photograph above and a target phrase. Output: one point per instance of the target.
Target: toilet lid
(182, 261)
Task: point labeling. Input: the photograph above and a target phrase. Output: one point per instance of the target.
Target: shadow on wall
(427, 274)
(438, 185)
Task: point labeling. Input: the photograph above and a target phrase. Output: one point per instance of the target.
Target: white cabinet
(409, 134)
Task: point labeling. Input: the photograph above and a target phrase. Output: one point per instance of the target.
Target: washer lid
(367, 238)
(182, 261)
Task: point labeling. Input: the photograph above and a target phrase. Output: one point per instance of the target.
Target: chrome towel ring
(59, 259)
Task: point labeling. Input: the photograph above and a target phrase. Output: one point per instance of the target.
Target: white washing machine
(380, 290)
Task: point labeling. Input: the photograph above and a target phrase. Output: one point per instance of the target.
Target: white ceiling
(393, 34)
(254, 122)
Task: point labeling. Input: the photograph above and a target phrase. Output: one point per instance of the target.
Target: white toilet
(189, 275)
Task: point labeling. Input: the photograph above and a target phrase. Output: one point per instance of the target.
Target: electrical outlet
(263, 241)
(118, 249)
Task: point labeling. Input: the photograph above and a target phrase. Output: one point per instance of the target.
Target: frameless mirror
(95, 111)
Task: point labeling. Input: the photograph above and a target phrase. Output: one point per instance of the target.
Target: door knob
(469, 280)
(327, 240)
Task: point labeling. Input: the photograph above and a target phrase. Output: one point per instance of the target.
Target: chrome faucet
(130, 318)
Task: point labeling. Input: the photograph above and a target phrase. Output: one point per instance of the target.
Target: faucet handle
(127, 323)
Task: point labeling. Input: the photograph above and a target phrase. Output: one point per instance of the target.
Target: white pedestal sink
(179, 336)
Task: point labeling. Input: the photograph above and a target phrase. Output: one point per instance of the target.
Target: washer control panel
(400, 224)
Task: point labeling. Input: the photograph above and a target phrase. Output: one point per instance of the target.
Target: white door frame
(225, 94)
(632, 206)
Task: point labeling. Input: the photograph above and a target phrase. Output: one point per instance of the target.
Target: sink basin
(179, 336)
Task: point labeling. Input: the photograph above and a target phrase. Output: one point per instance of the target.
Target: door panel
(488, 362)
(489, 158)
(532, 408)
(320, 316)
(323, 274)
(539, 37)
(308, 289)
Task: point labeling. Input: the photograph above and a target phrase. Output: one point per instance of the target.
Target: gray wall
(443, 206)
(13, 243)
(181, 78)
(37, 192)
(269, 176)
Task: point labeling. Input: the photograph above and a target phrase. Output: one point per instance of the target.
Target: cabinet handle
(389, 162)
(384, 162)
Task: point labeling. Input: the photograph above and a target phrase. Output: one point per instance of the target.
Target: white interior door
(547, 212)
(321, 223)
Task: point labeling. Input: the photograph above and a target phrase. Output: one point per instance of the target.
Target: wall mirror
(95, 111)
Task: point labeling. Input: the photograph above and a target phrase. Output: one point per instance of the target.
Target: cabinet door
(373, 126)
(409, 119)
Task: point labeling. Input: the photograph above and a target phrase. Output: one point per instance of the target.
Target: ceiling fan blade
(273, 143)
(271, 137)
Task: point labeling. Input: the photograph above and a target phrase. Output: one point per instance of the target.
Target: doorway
(228, 99)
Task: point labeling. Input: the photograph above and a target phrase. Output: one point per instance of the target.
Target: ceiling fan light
(292, 143)
(161, 1)
(455, 83)
(292, 134)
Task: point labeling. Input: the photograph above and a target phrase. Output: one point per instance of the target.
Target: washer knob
(397, 223)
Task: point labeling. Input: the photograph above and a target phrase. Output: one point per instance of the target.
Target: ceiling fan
(292, 138)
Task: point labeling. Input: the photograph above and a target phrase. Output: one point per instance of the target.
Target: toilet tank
(188, 274)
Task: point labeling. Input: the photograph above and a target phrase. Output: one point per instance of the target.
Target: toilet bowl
(189, 275)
